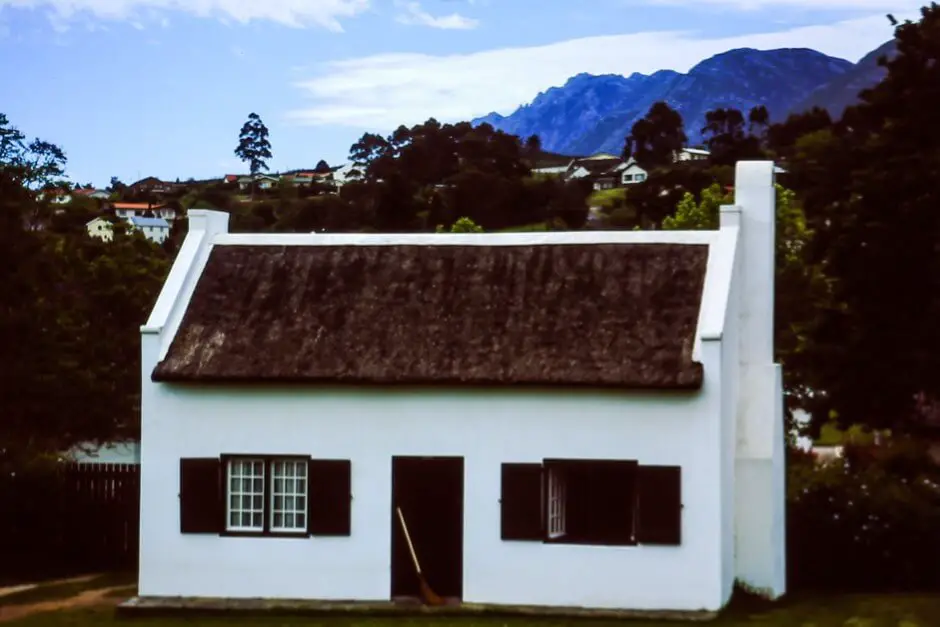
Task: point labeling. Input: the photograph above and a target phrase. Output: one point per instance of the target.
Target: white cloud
(413, 14)
(295, 13)
(383, 91)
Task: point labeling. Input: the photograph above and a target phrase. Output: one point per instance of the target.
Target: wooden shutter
(521, 502)
(659, 503)
(201, 503)
(329, 497)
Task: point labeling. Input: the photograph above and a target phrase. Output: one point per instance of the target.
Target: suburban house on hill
(607, 171)
(565, 420)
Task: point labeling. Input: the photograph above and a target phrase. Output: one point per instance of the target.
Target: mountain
(842, 92)
(591, 113)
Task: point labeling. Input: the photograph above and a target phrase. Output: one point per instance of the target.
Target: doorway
(429, 491)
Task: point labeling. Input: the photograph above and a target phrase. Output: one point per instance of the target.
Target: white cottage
(581, 419)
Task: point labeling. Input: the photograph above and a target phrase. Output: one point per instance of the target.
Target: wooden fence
(75, 519)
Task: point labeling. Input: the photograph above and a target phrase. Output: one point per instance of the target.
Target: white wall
(760, 520)
(487, 429)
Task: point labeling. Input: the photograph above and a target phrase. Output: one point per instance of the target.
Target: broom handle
(411, 547)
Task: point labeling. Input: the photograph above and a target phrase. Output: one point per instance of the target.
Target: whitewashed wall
(487, 430)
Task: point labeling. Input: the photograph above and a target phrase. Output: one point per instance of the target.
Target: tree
(254, 146)
(70, 313)
(655, 139)
(322, 167)
(871, 192)
(533, 146)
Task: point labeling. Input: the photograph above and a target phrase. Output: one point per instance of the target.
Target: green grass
(607, 198)
(819, 611)
(54, 591)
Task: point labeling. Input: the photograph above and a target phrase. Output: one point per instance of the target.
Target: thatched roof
(621, 315)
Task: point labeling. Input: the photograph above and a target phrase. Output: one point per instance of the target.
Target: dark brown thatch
(588, 315)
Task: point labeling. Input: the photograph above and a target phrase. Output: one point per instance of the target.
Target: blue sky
(135, 88)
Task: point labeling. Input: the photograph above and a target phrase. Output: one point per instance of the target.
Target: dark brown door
(429, 491)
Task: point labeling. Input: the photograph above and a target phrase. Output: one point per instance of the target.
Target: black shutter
(201, 503)
(330, 496)
(521, 502)
(659, 503)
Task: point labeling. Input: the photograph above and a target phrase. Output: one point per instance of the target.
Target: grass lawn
(607, 198)
(830, 611)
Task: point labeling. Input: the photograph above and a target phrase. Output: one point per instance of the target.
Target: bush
(868, 522)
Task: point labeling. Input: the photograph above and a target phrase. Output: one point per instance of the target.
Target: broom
(430, 598)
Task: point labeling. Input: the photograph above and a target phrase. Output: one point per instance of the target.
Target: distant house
(56, 195)
(600, 169)
(100, 194)
(551, 170)
(264, 181)
(631, 173)
(154, 229)
(141, 209)
(100, 228)
(344, 174)
(119, 452)
(692, 154)
(150, 185)
(593, 420)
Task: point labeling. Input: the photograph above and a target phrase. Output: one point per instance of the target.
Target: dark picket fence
(73, 519)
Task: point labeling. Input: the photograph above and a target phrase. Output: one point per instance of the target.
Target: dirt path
(88, 598)
(29, 586)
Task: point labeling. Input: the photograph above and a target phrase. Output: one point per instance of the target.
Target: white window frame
(555, 525)
(299, 481)
(240, 462)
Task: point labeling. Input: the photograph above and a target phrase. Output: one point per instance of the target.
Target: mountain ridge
(594, 113)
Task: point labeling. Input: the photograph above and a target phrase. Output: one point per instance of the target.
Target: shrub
(867, 522)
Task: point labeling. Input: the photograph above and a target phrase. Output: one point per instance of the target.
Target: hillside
(594, 113)
(843, 91)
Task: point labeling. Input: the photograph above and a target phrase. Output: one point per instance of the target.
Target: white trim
(465, 239)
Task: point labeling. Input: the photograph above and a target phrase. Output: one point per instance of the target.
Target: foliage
(69, 313)
(799, 285)
(430, 174)
(656, 137)
(462, 225)
(869, 522)
(254, 147)
(730, 138)
(870, 194)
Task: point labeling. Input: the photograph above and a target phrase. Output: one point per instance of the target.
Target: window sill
(265, 534)
(589, 542)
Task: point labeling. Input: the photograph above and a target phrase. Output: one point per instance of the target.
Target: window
(556, 503)
(640, 178)
(265, 495)
(627, 178)
(245, 495)
(605, 502)
(289, 496)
